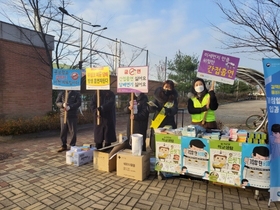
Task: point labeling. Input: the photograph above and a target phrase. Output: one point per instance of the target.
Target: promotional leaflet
(168, 153)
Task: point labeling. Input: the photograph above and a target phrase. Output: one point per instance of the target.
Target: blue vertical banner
(271, 68)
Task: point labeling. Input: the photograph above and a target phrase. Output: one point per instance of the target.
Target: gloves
(99, 108)
(203, 109)
(167, 110)
(67, 108)
(64, 105)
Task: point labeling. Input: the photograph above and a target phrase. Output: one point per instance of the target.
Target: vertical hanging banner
(195, 156)
(255, 166)
(132, 79)
(271, 68)
(217, 67)
(168, 153)
(225, 162)
(98, 78)
(66, 79)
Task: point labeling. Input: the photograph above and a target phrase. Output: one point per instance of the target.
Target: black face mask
(167, 92)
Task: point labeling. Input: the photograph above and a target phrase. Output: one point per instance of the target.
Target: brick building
(25, 82)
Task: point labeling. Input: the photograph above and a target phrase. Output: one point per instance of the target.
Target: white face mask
(137, 94)
(199, 88)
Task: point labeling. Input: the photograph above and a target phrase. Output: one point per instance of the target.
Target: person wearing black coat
(162, 96)
(140, 120)
(71, 107)
(106, 129)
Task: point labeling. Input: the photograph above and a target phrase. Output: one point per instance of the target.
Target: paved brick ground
(36, 177)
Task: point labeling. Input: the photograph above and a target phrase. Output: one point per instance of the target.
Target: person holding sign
(165, 107)
(202, 105)
(69, 103)
(140, 116)
(104, 118)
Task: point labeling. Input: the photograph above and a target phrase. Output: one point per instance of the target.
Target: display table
(232, 163)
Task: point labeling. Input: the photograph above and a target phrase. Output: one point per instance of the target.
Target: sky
(163, 27)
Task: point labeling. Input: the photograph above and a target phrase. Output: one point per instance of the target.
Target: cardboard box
(105, 158)
(131, 166)
(79, 157)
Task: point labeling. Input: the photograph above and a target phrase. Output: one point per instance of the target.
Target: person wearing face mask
(165, 107)
(140, 119)
(202, 105)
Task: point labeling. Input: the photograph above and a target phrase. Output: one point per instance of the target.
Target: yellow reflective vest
(210, 115)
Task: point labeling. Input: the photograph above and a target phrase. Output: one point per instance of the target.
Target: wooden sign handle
(98, 105)
(65, 111)
(131, 114)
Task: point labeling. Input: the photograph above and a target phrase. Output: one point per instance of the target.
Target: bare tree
(161, 71)
(126, 57)
(257, 29)
(45, 18)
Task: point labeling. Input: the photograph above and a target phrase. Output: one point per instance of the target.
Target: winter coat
(140, 122)
(106, 130)
(74, 102)
(160, 99)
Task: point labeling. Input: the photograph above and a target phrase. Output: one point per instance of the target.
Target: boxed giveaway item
(105, 158)
(131, 166)
(79, 155)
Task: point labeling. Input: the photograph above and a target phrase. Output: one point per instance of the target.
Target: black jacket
(160, 99)
(140, 122)
(74, 102)
(106, 130)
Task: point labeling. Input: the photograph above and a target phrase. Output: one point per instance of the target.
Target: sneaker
(62, 149)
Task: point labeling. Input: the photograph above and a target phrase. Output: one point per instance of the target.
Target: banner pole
(131, 114)
(98, 104)
(65, 111)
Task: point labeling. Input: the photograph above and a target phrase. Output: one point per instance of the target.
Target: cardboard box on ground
(105, 158)
(79, 155)
(114, 157)
(132, 166)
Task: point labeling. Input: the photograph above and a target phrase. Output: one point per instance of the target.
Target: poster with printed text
(225, 162)
(98, 78)
(218, 67)
(195, 156)
(168, 153)
(255, 166)
(132, 79)
(271, 68)
(66, 79)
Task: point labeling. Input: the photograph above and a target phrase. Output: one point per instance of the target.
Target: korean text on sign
(66, 79)
(133, 79)
(218, 67)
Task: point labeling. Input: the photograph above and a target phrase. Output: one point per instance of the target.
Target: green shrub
(37, 124)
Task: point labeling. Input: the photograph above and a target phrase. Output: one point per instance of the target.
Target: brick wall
(25, 82)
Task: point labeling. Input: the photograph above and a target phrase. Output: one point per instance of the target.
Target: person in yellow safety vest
(202, 105)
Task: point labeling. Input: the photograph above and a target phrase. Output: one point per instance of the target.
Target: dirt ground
(231, 115)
